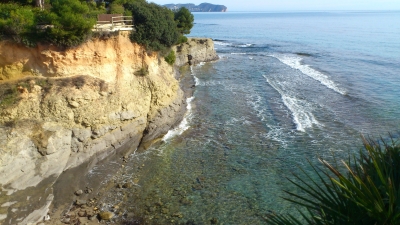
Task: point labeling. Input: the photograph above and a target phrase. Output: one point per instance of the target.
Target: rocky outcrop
(194, 51)
(61, 109)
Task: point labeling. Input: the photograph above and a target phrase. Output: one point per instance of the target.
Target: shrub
(170, 58)
(69, 22)
(155, 26)
(71, 26)
(142, 72)
(116, 8)
(182, 39)
(16, 22)
(368, 194)
(184, 20)
(8, 95)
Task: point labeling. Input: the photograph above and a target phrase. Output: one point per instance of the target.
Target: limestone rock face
(69, 107)
(194, 51)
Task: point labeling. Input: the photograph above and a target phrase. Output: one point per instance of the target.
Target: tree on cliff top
(71, 23)
(155, 26)
(184, 20)
(62, 22)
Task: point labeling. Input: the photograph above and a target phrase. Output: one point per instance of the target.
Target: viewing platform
(113, 22)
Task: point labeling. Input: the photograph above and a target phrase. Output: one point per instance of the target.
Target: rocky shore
(64, 111)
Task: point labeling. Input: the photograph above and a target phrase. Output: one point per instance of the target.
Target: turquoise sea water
(288, 87)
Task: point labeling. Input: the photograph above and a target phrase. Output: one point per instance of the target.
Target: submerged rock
(78, 192)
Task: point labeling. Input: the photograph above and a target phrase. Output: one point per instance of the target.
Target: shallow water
(288, 87)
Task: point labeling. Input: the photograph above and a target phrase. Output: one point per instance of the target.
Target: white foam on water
(221, 43)
(184, 125)
(256, 104)
(238, 121)
(295, 63)
(277, 134)
(196, 81)
(238, 53)
(243, 46)
(301, 110)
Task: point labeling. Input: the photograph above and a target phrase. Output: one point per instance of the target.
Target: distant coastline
(203, 7)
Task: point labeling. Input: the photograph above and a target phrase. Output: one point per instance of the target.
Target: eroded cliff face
(74, 106)
(194, 51)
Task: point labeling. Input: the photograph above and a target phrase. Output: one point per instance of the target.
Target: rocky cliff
(194, 51)
(61, 109)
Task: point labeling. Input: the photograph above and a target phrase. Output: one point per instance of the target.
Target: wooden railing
(116, 23)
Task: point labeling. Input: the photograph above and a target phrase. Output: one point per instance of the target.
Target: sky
(280, 5)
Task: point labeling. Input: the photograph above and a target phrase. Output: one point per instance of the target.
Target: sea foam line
(184, 125)
(295, 63)
(243, 46)
(221, 43)
(300, 109)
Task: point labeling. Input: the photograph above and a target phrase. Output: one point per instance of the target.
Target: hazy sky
(272, 5)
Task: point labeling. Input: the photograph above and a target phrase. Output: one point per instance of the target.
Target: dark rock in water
(190, 222)
(127, 185)
(303, 54)
(79, 192)
(106, 215)
(88, 190)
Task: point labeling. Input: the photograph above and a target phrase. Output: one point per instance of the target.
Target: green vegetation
(64, 23)
(71, 26)
(68, 23)
(142, 72)
(184, 20)
(116, 8)
(9, 95)
(155, 26)
(170, 58)
(182, 39)
(367, 193)
(158, 28)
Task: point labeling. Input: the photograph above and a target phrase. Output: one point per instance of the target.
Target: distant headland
(203, 7)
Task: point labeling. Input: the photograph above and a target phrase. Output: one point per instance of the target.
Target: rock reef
(61, 109)
(194, 51)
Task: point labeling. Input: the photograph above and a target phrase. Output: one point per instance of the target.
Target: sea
(288, 88)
